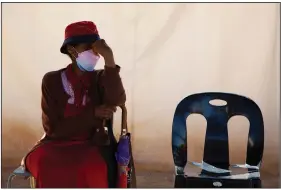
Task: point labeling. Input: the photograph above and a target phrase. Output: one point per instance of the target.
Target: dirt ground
(145, 179)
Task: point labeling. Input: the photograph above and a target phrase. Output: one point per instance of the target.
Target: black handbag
(131, 176)
(108, 153)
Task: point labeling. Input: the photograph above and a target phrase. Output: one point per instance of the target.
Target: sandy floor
(145, 179)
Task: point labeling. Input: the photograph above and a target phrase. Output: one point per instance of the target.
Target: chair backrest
(216, 150)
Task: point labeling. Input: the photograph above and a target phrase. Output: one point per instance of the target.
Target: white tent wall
(166, 51)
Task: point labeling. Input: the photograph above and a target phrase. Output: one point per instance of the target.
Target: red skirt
(67, 165)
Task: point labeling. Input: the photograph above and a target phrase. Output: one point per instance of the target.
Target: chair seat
(194, 182)
(20, 171)
(194, 169)
(203, 175)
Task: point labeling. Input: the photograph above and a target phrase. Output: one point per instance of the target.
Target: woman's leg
(94, 168)
(53, 166)
(71, 166)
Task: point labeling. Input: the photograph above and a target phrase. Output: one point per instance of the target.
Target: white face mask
(87, 60)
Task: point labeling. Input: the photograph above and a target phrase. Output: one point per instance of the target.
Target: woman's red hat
(79, 32)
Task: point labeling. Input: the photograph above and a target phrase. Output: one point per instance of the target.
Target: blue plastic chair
(215, 170)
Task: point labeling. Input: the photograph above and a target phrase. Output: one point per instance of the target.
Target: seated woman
(68, 156)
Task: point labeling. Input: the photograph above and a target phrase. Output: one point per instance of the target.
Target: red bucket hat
(79, 32)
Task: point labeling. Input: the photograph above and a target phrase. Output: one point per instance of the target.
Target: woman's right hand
(105, 112)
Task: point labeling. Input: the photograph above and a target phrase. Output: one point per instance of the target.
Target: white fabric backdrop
(166, 51)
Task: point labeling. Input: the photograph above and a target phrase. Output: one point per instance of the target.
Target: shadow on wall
(17, 139)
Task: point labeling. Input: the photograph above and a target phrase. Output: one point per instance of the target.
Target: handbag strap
(124, 127)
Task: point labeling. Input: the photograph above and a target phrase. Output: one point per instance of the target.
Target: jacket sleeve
(113, 90)
(56, 126)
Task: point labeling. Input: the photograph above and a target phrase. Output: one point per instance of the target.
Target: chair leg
(32, 182)
(9, 183)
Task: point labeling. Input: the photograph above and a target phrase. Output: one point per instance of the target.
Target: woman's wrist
(109, 61)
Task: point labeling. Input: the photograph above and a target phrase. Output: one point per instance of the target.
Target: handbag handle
(124, 127)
